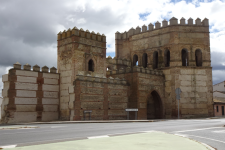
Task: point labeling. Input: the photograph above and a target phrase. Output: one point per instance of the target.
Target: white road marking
(95, 137)
(207, 138)
(58, 126)
(198, 129)
(219, 131)
(182, 135)
(8, 146)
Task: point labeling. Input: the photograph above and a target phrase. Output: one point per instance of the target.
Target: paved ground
(209, 131)
(141, 141)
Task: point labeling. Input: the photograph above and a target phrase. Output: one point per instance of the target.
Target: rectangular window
(217, 108)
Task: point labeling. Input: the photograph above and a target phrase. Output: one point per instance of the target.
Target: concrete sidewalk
(140, 141)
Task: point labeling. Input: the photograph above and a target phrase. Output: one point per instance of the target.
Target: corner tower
(78, 51)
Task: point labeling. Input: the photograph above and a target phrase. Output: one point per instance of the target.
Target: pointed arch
(184, 57)
(135, 60)
(145, 60)
(154, 106)
(198, 57)
(167, 58)
(91, 65)
(155, 60)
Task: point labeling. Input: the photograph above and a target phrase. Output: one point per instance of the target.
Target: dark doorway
(167, 58)
(144, 60)
(155, 60)
(222, 110)
(154, 106)
(135, 60)
(198, 57)
(184, 57)
(91, 65)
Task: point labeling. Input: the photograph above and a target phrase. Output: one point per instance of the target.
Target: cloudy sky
(28, 28)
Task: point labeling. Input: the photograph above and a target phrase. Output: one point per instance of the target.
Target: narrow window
(155, 60)
(184, 57)
(135, 60)
(167, 58)
(217, 108)
(91, 65)
(144, 60)
(198, 57)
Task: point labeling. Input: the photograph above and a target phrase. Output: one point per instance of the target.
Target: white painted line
(182, 135)
(95, 137)
(207, 138)
(8, 146)
(219, 131)
(198, 129)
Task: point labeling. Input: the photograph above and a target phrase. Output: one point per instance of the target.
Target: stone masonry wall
(75, 49)
(30, 96)
(196, 96)
(107, 98)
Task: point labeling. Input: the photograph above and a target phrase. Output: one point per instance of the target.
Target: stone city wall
(107, 98)
(30, 96)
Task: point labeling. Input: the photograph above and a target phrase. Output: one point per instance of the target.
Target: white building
(219, 89)
(1, 99)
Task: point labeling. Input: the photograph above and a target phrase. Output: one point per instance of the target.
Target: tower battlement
(81, 33)
(172, 22)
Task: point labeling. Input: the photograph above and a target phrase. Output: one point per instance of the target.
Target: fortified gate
(150, 63)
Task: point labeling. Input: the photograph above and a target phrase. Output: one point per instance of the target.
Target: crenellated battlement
(135, 69)
(36, 68)
(118, 61)
(81, 33)
(172, 22)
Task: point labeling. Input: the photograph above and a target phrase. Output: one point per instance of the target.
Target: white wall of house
(218, 94)
(219, 87)
(1, 99)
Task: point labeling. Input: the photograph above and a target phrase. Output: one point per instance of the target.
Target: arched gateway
(154, 106)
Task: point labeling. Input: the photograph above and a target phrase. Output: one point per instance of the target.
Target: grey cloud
(218, 60)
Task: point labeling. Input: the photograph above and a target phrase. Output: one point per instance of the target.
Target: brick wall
(106, 97)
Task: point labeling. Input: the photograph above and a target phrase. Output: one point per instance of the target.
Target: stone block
(50, 75)
(6, 85)
(201, 78)
(64, 86)
(50, 107)
(51, 81)
(64, 93)
(201, 89)
(50, 87)
(188, 106)
(64, 99)
(50, 101)
(66, 73)
(25, 93)
(5, 77)
(201, 106)
(50, 116)
(26, 79)
(185, 77)
(65, 79)
(50, 94)
(186, 89)
(26, 86)
(26, 108)
(142, 105)
(117, 99)
(20, 117)
(26, 73)
(185, 83)
(25, 100)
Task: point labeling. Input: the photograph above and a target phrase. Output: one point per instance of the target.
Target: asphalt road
(209, 131)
